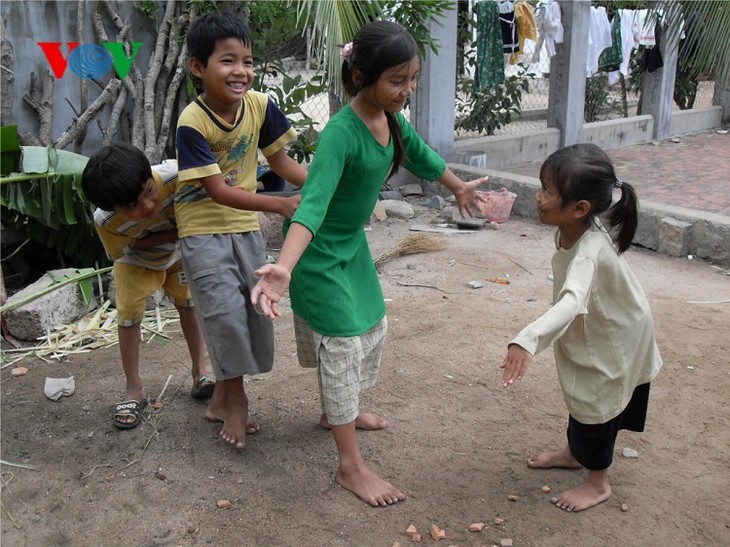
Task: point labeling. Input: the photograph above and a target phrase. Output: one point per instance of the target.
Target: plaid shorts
(345, 366)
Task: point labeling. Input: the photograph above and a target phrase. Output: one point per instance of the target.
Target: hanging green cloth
(490, 55)
(611, 57)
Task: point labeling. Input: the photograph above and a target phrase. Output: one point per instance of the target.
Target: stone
(411, 190)
(398, 209)
(466, 222)
(391, 194)
(57, 308)
(674, 236)
(435, 202)
(629, 453)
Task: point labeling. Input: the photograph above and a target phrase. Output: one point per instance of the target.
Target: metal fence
(611, 102)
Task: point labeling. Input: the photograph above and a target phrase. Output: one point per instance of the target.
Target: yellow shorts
(135, 284)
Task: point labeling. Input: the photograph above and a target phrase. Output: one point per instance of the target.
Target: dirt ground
(457, 442)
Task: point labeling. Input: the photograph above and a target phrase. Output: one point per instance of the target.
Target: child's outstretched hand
(468, 195)
(514, 364)
(271, 287)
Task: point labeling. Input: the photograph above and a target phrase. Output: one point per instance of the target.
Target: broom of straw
(412, 244)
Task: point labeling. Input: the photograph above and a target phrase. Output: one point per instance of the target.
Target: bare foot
(234, 430)
(369, 487)
(559, 458)
(214, 415)
(364, 420)
(590, 493)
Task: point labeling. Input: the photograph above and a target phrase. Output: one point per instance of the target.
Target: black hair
(115, 176)
(585, 172)
(208, 28)
(376, 47)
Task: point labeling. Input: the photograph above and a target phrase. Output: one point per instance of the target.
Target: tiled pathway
(692, 173)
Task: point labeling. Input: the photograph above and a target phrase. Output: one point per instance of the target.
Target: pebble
(629, 453)
(512, 497)
(498, 520)
(19, 371)
(223, 504)
(545, 489)
(624, 507)
(476, 527)
(506, 542)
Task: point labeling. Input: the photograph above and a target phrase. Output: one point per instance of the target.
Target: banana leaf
(45, 201)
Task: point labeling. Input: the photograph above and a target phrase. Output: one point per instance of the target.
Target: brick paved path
(692, 173)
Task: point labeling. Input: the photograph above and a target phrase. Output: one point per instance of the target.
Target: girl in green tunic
(340, 321)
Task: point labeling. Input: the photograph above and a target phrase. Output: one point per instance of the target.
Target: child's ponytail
(398, 148)
(624, 216)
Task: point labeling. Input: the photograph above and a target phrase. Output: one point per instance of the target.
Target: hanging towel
(526, 28)
(599, 38)
(644, 28)
(490, 58)
(653, 60)
(508, 26)
(627, 44)
(611, 57)
(549, 27)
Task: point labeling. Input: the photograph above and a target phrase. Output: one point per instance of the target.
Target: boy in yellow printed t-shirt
(136, 224)
(218, 136)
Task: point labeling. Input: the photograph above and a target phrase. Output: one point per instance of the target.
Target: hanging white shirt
(644, 27)
(549, 28)
(599, 38)
(627, 44)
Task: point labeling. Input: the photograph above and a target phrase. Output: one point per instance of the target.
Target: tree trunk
(7, 78)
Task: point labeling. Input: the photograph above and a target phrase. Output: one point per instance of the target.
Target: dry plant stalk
(411, 244)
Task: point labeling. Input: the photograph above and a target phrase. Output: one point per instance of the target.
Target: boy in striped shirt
(136, 224)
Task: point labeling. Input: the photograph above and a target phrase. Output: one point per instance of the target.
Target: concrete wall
(670, 230)
(502, 151)
(29, 22)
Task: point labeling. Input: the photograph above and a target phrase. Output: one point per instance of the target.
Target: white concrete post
(721, 97)
(657, 90)
(432, 106)
(568, 73)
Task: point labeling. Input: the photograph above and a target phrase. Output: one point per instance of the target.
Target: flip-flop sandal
(203, 388)
(129, 408)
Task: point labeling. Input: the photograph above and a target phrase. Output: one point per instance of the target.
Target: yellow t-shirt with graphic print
(208, 145)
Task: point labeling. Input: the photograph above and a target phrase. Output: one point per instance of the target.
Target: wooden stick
(159, 397)
(421, 285)
(17, 465)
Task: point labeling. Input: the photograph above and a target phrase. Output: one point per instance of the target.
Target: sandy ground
(457, 442)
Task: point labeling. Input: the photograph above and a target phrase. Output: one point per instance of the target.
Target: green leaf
(34, 159)
(47, 200)
(66, 182)
(87, 290)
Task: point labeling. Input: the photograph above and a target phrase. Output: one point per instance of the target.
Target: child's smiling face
(394, 86)
(228, 75)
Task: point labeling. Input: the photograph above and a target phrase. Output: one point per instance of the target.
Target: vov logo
(90, 60)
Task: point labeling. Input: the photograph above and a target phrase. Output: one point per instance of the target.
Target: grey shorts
(220, 271)
(345, 366)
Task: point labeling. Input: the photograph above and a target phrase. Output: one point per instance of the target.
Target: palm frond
(335, 22)
(704, 28)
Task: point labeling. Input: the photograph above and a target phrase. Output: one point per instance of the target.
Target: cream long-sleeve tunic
(600, 326)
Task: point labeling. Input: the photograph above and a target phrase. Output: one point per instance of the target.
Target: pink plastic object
(498, 205)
